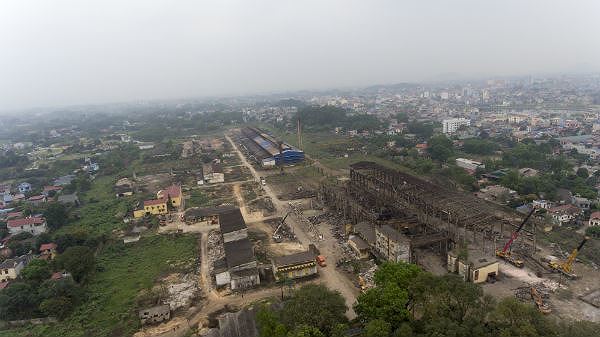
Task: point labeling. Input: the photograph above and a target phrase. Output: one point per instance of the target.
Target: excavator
(505, 253)
(566, 266)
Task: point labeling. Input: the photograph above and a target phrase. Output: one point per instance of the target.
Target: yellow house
(478, 268)
(172, 192)
(152, 207)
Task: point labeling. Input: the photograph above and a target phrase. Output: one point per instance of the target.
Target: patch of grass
(123, 271)
(197, 199)
(101, 211)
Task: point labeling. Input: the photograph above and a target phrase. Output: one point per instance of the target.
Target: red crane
(505, 252)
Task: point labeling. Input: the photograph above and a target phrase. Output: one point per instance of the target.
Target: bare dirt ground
(329, 275)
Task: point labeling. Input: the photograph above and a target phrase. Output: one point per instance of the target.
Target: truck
(321, 261)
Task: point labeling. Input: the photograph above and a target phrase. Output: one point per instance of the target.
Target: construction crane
(505, 253)
(276, 237)
(566, 266)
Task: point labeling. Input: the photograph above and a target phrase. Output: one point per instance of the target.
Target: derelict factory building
(266, 150)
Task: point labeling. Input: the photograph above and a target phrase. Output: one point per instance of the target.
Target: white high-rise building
(449, 126)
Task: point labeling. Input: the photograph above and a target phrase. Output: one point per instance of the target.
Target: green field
(122, 272)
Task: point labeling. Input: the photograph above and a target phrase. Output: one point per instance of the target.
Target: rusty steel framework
(373, 189)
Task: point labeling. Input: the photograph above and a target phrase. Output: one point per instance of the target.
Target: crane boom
(566, 267)
(515, 234)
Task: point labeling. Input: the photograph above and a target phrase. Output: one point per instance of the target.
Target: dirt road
(330, 276)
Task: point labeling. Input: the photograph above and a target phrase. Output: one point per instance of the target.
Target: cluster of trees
(479, 146)
(119, 159)
(11, 159)
(409, 302)
(327, 117)
(36, 295)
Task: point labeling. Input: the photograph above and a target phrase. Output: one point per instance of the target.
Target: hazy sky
(55, 52)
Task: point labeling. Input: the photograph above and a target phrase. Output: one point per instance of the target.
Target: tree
(402, 274)
(78, 260)
(388, 302)
(314, 305)
(512, 318)
(582, 172)
(305, 331)
(56, 215)
(59, 297)
(378, 328)
(440, 148)
(18, 301)
(36, 271)
(58, 307)
(593, 231)
(269, 324)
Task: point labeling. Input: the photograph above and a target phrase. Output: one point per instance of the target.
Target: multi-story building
(450, 126)
(392, 245)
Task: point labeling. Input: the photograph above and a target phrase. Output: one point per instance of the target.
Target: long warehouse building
(266, 150)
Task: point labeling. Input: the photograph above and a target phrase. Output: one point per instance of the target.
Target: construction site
(335, 227)
(444, 230)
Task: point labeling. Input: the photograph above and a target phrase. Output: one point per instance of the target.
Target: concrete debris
(215, 249)
(182, 293)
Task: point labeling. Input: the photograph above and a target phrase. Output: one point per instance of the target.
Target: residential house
(213, 173)
(151, 207)
(581, 202)
(468, 164)
(35, 225)
(478, 267)
(48, 251)
(392, 245)
(37, 200)
(172, 193)
(64, 180)
(69, 199)
(123, 187)
(564, 214)
(541, 203)
(48, 190)
(528, 172)
(24, 187)
(294, 266)
(11, 268)
(595, 219)
(359, 246)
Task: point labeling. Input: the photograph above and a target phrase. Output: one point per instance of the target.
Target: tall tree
(314, 305)
(79, 261)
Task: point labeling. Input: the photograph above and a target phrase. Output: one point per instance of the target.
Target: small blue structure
(24, 187)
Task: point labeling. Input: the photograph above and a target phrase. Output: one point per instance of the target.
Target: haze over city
(73, 52)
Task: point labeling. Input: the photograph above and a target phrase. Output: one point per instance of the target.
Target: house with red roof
(37, 200)
(564, 214)
(595, 219)
(48, 251)
(49, 189)
(173, 193)
(34, 225)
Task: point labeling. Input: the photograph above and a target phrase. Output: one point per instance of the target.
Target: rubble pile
(182, 293)
(215, 250)
(367, 278)
(544, 288)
